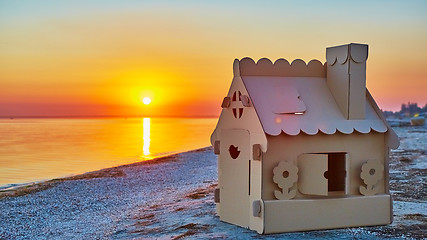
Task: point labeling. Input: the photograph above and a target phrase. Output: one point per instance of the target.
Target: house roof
(304, 104)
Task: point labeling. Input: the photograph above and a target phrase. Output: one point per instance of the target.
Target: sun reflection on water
(85, 145)
(146, 122)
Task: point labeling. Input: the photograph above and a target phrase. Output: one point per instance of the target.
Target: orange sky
(70, 58)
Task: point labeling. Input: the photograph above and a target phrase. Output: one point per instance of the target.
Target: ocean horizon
(43, 148)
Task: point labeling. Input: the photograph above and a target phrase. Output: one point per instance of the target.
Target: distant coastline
(407, 111)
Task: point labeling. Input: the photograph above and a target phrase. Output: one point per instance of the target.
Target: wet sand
(172, 198)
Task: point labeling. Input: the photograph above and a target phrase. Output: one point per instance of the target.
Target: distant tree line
(408, 110)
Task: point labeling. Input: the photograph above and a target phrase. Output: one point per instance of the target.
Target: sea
(33, 150)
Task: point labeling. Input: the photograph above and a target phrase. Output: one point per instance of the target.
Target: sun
(146, 100)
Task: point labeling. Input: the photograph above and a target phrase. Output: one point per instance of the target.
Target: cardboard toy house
(303, 146)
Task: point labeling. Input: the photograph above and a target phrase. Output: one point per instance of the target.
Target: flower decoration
(285, 174)
(372, 172)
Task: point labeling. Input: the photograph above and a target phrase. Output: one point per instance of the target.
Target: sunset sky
(81, 58)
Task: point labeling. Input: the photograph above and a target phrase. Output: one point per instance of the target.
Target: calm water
(39, 149)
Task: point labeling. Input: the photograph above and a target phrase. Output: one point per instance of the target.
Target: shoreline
(46, 149)
(173, 198)
(115, 203)
(21, 189)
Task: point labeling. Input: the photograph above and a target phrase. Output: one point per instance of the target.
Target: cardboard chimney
(346, 78)
(303, 146)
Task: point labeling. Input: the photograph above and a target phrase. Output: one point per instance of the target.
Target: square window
(336, 173)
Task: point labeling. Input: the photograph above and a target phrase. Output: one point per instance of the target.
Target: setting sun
(146, 100)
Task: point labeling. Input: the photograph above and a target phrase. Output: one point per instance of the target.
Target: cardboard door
(234, 176)
(311, 179)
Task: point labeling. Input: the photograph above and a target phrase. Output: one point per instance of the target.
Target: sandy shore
(172, 198)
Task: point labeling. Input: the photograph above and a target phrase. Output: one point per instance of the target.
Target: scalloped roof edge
(358, 53)
(331, 131)
(280, 68)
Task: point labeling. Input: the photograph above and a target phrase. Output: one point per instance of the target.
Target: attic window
(237, 111)
(287, 100)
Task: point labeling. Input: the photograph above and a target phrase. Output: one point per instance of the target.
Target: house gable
(235, 115)
(238, 113)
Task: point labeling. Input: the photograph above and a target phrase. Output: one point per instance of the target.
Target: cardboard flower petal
(372, 172)
(285, 174)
